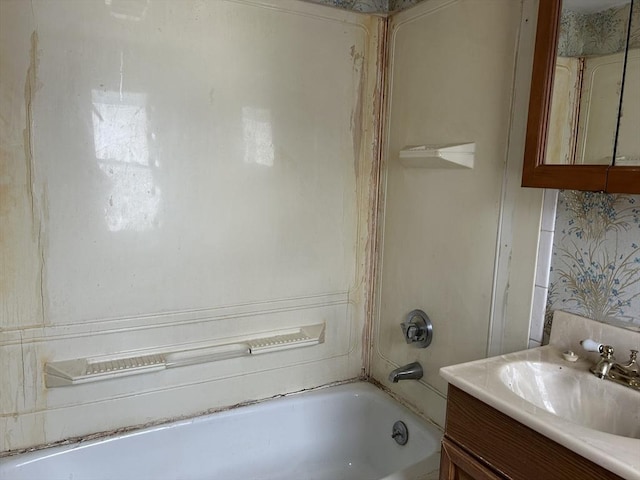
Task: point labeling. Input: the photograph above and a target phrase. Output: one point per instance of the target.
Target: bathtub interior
(337, 433)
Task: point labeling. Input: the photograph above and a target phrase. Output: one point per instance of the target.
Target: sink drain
(400, 433)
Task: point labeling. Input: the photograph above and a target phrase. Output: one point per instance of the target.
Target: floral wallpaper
(608, 27)
(601, 33)
(595, 266)
(370, 6)
(397, 5)
(366, 6)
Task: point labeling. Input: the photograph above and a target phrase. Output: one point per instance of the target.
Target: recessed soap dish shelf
(86, 370)
(439, 156)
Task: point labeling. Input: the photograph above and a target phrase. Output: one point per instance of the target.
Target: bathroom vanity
(542, 414)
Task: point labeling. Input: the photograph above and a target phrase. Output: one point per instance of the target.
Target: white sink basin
(575, 395)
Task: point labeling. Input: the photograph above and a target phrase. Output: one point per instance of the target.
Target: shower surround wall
(458, 243)
(190, 171)
(177, 172)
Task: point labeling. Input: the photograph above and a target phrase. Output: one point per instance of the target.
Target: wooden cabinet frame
(457, 464)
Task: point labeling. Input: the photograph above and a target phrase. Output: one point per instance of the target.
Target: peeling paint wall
(174, 173)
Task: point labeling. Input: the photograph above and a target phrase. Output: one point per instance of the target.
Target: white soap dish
(439, 156)
(85, 370)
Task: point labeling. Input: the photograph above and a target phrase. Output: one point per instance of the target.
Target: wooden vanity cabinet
(481, 443)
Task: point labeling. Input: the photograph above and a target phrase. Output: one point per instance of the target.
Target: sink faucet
(412, 371)
(627, 374)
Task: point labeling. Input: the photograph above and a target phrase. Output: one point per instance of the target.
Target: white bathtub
(337, 433)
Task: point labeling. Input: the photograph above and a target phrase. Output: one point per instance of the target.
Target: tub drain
(400, 433)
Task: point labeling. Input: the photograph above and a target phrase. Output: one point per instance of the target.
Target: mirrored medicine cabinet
(583, 127)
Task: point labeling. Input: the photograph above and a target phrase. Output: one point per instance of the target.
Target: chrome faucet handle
(413, 332)
(417, 329)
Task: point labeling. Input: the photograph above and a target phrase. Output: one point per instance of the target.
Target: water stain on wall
(357, 112)
(30, 88)
(376, 196)
(20, 236)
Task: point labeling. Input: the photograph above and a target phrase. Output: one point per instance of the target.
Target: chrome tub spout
(412, 371)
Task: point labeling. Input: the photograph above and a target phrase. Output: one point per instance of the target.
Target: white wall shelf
(86, 370)
(439, 156)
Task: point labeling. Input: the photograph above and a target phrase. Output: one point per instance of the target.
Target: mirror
(588, 80)
(628, 143)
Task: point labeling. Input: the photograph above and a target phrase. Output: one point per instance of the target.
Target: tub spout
(412, 371)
